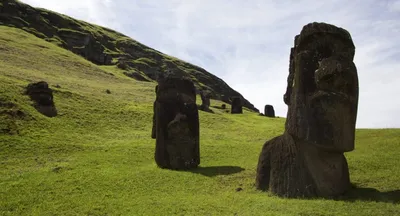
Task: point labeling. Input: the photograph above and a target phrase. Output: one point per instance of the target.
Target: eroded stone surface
(42, 96)
(269, 111)
(236, 107)
(205, 101)
(322, 94)
(177, 124)
(153, 130)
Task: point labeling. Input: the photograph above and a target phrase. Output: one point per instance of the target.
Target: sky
(247, 42)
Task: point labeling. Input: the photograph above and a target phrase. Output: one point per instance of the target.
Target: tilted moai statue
(42, 96)
(322, 95)
(177, 124)
(269, 111)
(236, 106)
(153, 130)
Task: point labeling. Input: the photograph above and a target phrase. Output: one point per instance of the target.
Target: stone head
(176, 90)
(40, 93)
(322, 91)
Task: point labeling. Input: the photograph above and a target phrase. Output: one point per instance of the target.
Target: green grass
(96, 156)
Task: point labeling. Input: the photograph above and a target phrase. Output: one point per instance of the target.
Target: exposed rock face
(86, 45)
(205, 101)
(236, 105)
(153, 131)
(177, 124)
(269, 111)
(42, 96)
(104, 46)
(322, 94)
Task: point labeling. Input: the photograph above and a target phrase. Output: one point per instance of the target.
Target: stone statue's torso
(294, 169)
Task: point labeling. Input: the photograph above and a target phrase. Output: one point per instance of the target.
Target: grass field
(96, 156)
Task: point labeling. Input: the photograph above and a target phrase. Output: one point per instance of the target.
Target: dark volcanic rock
(177, 124)
(322, 94)
(106, 47)
(205, 101)
(153, 130)
(269, 111)
(236, 107)
(42, 96)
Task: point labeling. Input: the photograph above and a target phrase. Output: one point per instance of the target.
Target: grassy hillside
(103, 46)
(96, 156)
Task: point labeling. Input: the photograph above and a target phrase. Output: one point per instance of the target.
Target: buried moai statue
(205, 101)
(177, 124)
(42, 96)
(308, 159)
(153, 130)
(236, 106)
(269, 111)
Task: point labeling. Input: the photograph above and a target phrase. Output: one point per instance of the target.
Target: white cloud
(247, 43)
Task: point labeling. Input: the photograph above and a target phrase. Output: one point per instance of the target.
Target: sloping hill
(103, 46)
(96, 156)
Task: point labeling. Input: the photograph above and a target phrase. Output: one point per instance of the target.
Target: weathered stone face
(205, 101)
(269, 111)
(42, 96)
(236, 106)
(324, 97)
(177, 124)
(322, 94)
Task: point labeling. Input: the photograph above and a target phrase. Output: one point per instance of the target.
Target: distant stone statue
(153, 130)
(269, 111)
(205, 101)
(177, 124)
(42, 96)
(236, 106)
(322, 94)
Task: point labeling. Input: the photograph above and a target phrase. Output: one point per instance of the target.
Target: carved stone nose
(334, 75)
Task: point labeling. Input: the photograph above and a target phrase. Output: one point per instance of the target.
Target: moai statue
(42, 96)
(236, 106)
(205, 101)
(308, 159)
(269, 111)
(177, 124)
(153, 131)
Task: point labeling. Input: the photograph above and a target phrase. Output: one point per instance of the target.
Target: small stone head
(322, 91)
(42, 96)
(40, 93)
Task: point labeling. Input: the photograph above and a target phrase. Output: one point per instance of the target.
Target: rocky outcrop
(103, 46)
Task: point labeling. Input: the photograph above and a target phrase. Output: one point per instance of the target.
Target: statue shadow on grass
(370, 194)
(212, 171)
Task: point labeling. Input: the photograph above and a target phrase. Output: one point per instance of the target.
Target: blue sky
(247, 43)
